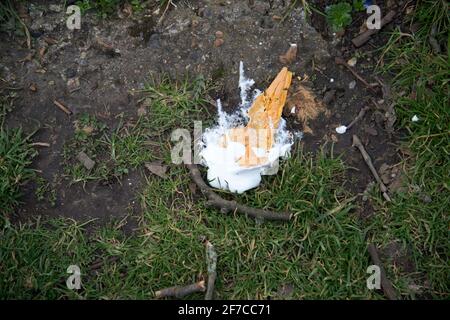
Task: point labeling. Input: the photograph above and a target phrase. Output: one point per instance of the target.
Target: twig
(365, 36)
(358, 117)
(181, 291)
(106, 47)
(97, 264)
(169, 2)
(40, 144)
(227, 206)
(62, 107)
(340, 61)
(211, 262)
(432, 40)
(357, 143)
(386, 285)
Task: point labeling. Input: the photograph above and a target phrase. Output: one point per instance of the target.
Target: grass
(320, 254)
(114, 151)
(256, 259)
(15, 159)
(108, 8)
(417, 223)
(168, 105)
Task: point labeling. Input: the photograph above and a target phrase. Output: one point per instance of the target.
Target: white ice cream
(224, 171)
(341, 129)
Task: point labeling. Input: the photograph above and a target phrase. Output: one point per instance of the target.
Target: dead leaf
(127, 9)
(33, 87)
(307, 106)
(385, 173)
(50, 41)
(42, 52)
(88, 130)
(142, 111)
(157, 168)
(290, 55)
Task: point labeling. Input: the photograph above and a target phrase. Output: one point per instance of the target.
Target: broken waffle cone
(264, 114)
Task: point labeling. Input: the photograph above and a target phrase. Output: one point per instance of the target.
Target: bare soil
(184, 43)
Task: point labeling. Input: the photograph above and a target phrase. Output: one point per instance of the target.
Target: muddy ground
(185, 42)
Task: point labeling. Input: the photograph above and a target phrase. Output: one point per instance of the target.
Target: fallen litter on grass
(237, 155)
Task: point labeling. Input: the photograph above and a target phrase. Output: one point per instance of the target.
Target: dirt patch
(99, 69)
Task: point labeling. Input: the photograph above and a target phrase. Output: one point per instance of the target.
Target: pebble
(218, 42)
(70, 72)
(352, 85)
(87, 162)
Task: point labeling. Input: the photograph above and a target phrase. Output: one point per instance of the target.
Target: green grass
(15, 159)
(422, 77)
(169, 105)
(108, 8)
(114, 151)
(255, 258)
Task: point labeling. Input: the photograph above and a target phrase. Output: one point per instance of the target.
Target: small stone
(73, 84)
(33, 87)
(157, 168)
(70, 72)
(352, 85)
(87, 162)
(154, 41)
(218, 42)
(195, 23)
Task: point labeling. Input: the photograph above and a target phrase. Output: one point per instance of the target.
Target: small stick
(62, 107)
(357, 143)
(358, 117)
(341, 62)
(365, 36)
(388, 290)
(40, 144)
(226, 206)
(181, 291)
(97, 264)
(211, 262)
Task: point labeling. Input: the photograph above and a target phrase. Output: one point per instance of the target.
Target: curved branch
(226, 206)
